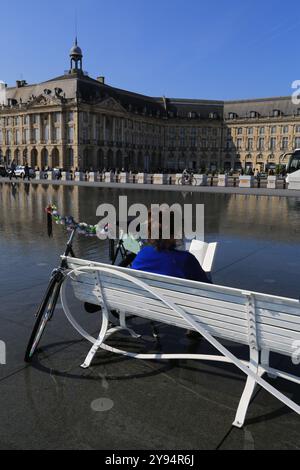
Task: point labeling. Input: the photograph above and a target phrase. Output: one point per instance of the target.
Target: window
(8, 137)
(193, 137)
(70, 135)
(276, 112)
(285, 129)
(182, 137)
(240, 131)
(297, 143)
(261, 144)
(46, 133)
(71, 116)
(36, 135)
(17, 121)
(84, 135)
(261, 130)
(56, 117)
(57, 134)
(273, 143)
(253, 114)
(273, 129)
(250, 130)
(297, 129)
(17, 137)
(285, 143)
(34, 118)
(239, 144)
(250, 144)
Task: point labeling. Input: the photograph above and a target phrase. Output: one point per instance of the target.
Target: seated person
(161, 257)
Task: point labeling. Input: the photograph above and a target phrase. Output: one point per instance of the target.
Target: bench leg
(244, 403)
(125, 327)
(248, 390)
(265, 362)
(98, 342)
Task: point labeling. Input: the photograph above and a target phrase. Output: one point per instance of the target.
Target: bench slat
(222, 311)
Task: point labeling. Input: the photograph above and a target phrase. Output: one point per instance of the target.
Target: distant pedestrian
(12, 172)
(26, 172)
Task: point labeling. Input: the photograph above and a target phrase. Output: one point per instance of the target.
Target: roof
(90, 90)
(263, 106)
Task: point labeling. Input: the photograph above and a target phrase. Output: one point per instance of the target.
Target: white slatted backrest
(222, 310)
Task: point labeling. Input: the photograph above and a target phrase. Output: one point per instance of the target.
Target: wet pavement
(121, 403)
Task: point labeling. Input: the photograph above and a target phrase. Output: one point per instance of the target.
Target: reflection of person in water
(13, 189)
(27, 188)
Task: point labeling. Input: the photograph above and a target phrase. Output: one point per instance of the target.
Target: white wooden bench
(264, 323)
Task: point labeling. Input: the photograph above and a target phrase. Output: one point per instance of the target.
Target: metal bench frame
(254, 369)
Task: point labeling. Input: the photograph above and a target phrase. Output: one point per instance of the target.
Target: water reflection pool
(259, 236)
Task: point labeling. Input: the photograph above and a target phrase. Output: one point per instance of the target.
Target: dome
(76, 51)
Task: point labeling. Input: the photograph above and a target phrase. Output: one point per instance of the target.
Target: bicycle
(187, 180)
(46, 309)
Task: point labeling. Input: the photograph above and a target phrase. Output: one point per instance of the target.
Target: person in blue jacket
(161, 256)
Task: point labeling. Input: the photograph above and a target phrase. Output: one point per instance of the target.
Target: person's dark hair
(160, 243)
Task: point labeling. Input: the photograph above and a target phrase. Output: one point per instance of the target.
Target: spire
(76, 57)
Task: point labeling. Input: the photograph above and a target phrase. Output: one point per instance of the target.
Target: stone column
(104, 128)
(123, 131)
(93, 128)
(40, 126)
(114, 130)
(50, 128)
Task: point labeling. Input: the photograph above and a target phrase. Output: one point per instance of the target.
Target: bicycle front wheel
(44, 314)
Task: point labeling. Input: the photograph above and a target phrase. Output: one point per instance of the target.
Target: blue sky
(178, 48)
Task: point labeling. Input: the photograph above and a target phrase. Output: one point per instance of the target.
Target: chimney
(101, 80)
(21, 83)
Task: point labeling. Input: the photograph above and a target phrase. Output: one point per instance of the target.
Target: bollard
(108, 177)
(222, 180)
(159, 178)
(124, 177)
(141, 178)
(78, 176)
(246, 181)
(272, 182)
(65, 176)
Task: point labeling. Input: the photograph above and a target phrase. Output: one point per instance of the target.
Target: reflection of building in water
(22, 214)
(77, 121)
(261, 217)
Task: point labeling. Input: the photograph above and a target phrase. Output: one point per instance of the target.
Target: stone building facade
(74, 121)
